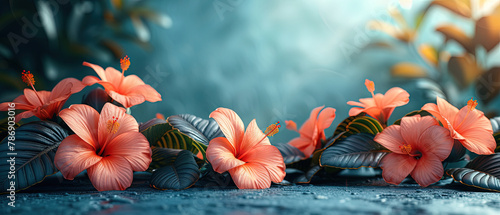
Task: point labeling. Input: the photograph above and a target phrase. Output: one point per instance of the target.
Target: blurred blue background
(268, 60)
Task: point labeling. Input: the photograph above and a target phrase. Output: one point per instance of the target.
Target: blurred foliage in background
(444, 73)
(53, 37)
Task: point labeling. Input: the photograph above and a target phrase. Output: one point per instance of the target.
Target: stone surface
(342, 196)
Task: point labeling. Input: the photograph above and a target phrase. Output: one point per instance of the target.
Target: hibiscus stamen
(113, 125)
(125, 63)
(272, 129)
(407, 149)
(29, 79)
(472, 106)
(370, 86)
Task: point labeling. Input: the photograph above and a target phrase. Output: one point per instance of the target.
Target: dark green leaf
(182, 173)
(482, 172)
(360, 124)
(36, 145)
(495, 124)
(163, 135)
(307, 177)
(290, 153)
(201, 130)
(497, 139)
(4, 127)
(343, 125)
(457, 153)
(353, 152)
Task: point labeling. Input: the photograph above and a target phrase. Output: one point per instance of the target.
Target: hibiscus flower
(380, 106)
(313, 130)
(467, 125)
(43, 104)
(127, 90)
(109, 146)
(248, 155)
(418, 146)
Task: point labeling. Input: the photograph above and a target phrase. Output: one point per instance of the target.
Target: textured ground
(358, 196)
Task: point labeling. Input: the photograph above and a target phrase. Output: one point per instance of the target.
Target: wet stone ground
(356, 196)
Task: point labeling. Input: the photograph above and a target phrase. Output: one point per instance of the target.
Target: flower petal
(83, 120)
(434, 110)
(428, 170)
(252, 138)
(25, 114)
(230, 124)
(99, 70)
(134, 147)
(111, 173)
(270, 157)
(250, 176)
(391, 138)
(131, 81)
(446, 110)
(125, 123)
(304, 144)
(436, 140)
(32, 97)
(65, 88)
(309, 127)
(326, 118)
(355, 111)
(291, 125)
(221, 154)
(395, 97)
(146, 91)
(127, 100)
(396, 167)
(74, 155)
(114, 77)
(466, 119)
(479, 141)
(412, 127)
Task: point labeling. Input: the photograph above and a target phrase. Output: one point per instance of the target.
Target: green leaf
(201, 130)
(353, 152)
(358, 124)
(497, 139)
(482, 172)
(181, 173)
(36, 145)
(163, 135)
(457, 153)
(290, 153)
(413, 113)
(307, 177)
(343, 125)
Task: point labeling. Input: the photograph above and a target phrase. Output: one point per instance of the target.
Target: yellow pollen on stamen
(272, 129)
(406, 148)
(472, 104)
(125, 63)
(370, 86)
(113, 125)
(28, 78)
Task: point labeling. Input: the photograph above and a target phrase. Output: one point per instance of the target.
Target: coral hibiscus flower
(248, 155)
(127, 90)
(109, 146)
(380, 106)
(43, 104)
(467, 125)
(313, 130)
(418, 146)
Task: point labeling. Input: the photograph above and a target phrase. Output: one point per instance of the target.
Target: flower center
(113, 125)
(125, 63)
(370, 86)
(471, 104)
(407, 149)
(270, 131)
(29, 79)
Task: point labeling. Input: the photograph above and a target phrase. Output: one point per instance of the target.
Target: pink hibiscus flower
(467, 125)
(418, 146)
(43, 104)
(313, 130)
(248, 155)
(380, 106)
(109, 146)
(127, 90)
